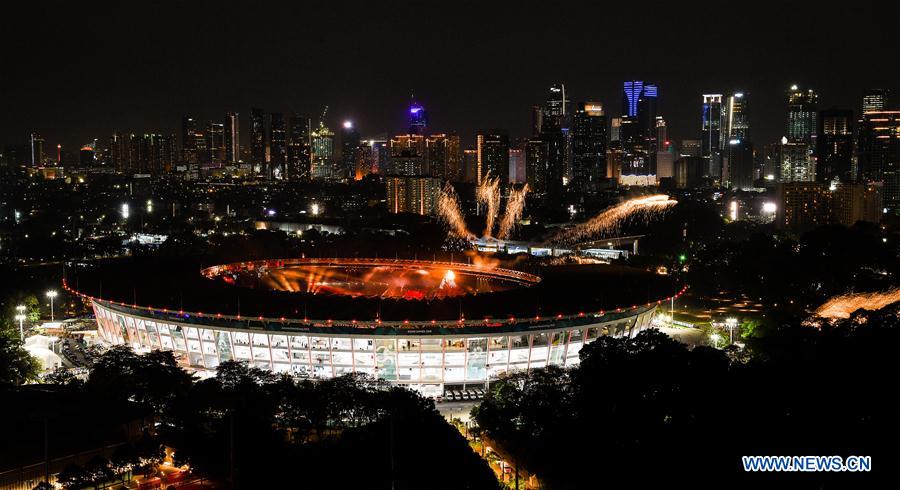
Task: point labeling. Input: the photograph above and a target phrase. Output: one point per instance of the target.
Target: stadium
(441, 328)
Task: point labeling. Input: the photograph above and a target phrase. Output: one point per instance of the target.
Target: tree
(17, 366)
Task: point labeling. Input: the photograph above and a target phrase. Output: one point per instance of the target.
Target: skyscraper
(493, 154)
(418, 118)
(638, 127)
(36, 144)
(801, 122)
(588, 145)
(442, 156)
(736, 118)
(408, 154)
(277, 146)
(738, 171)
(879, 154)
(834, 145)
(536, 164)
(232, 138)
(349, 150)
(322, 153)
(189, 140)
(258, 159)
(215, 143)
(298, 152)
(874, 100)
(711, 134)
(554, 126)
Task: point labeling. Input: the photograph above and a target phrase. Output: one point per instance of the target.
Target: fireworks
(514, 207)
(609, 221)
(488, 194)
(449, 212)
(844, 305)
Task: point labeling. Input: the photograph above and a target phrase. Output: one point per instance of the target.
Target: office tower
(801, 123)
(442, 156)
(802, 206)
(36, 146)
(258, 160)
(408, 154)
(418, 119)
(588, 145)
(215, 143)
(692, 148)
(536, 155)
(86, 157)
(118, 153)
(875, 100)
(878, 157)
(689, 170)
(377, 156)
(537, 117)
(517, 172)
(189, 149)
(413, 194)
(735, 118)
(794, 162)
(298, 151)
(277, 145)
(615, 130)
(470, 165)
(349, 150)
(854, 202)
(322, 153)
(554, 122)
(738, 167)
(493, 154)
(834, 145)
(232, 138)
(637, 131)
(711, 134)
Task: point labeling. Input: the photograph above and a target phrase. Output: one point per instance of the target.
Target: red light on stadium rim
(581, 313)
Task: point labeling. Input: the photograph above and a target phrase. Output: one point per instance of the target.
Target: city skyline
(135, 88)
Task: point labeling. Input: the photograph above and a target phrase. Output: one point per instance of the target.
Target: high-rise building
(322, 156)
(86, 157)
(298, 151)
(638, 127)
(878, 157)
(493, 154)
(834, 146)
(795, 162)
(738, 167)
(517, 173)
(555, 119)
(232, 138)
(36, 144)
(349, 150)
(418, 119)
(801, 122)
(277, 146)
(215, 143)
(442, 156)
(588, 145)
(408, 154)
(735, 119)
(854, 202)
(470, 165)
(875, 100)
(189, 147)
(802, 205)
(711, 134)
(413, 194)
(536, 164)
(258, 160)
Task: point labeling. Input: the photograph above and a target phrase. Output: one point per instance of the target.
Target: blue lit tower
(638, 129)
(418, 118)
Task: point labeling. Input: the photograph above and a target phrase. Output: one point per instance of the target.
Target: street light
(715, 338)
(51, 294)
(20, 316)
(731, 323)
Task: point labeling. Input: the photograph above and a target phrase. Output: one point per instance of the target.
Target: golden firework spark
(450, 213)
(514, 207)
(488, 194)
(610, 221)
(844, 305)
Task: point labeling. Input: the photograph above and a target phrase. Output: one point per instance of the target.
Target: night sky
(75, 71)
